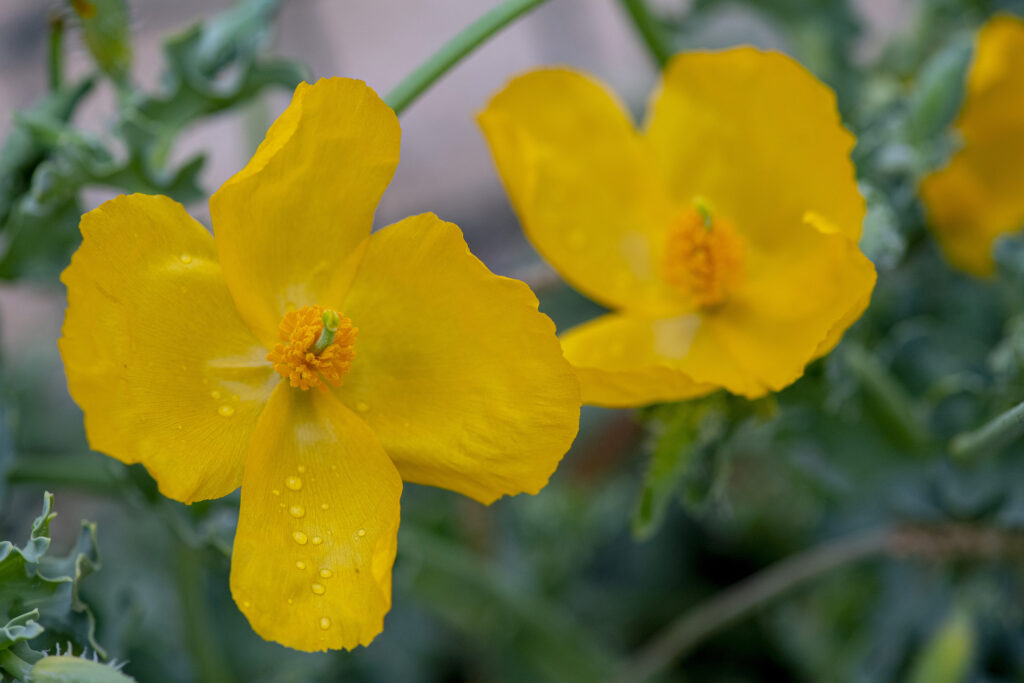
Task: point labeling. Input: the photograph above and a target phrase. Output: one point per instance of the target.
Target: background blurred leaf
(946, 658)
(106, 30)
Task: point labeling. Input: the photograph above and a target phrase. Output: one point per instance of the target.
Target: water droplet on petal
(215, 394)
(276, 492)
(299, 564)
(299, 537)
(302, 469)
(297, 511)
(185, 258)
(317, 540)
(362, 407)
(226, 411)
(246, 604)
(324, 506)
(326, 573)
(361, 533)
(294, 483)
(318, 588)
(325, 623)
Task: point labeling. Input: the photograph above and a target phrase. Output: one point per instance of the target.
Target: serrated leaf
(21, 153)
(23, 627)
(32, 580)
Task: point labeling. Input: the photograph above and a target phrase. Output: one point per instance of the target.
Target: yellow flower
(979, 195)
(723, 236)
(314, 364)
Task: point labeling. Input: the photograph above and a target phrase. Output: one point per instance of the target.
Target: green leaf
(31, 580)
(21, 153)
(683, 432)
(946, 658)
(937, 94)
(21, 628)
(106, 28)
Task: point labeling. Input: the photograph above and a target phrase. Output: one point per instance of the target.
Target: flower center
(317, 347)
(704, 257)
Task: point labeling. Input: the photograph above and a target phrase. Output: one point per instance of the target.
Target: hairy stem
(991, 436)
(438, 64)
(937, 542)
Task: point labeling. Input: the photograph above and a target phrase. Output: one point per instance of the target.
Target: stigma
(316, 348)
(703, 259)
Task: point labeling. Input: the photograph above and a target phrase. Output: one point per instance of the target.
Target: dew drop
(299, 537)
(326, 573)
(317, 540)
(294, 483)
(215, 394)
(276, 492)
(297, 511)
(324, 506)
(361, 533)
(302, 469)
(325, 623)
(318, 588)
(246, 604)
(299, 564)
(362, 406)
(179, 427)
(333, 467)
(290, 601)
(185, 258)
(226, 411)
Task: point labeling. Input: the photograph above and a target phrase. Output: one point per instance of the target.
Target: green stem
(55, 52)
(15, 665)
(733, 604)
(990, 437)
(891, 398)
(88, 471)
(648, 28)
(406, 92)
(201, 638)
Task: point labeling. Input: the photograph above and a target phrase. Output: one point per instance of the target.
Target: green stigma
(704, 209)
(332, 321)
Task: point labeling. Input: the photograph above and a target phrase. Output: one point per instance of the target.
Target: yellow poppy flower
(723, 236)
(979, 195)
(314, 364)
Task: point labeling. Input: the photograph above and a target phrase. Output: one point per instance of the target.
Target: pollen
(704, 259)
(311, 353)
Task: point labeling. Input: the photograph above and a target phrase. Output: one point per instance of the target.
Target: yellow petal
(291, 226)
(318, 526)
(795, 306)
(156, 355)
(460, 377)
(759, 138)
(584, 184)
(977, 197)
(623, 360)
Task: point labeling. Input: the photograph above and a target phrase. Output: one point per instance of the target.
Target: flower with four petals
(312, 363)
